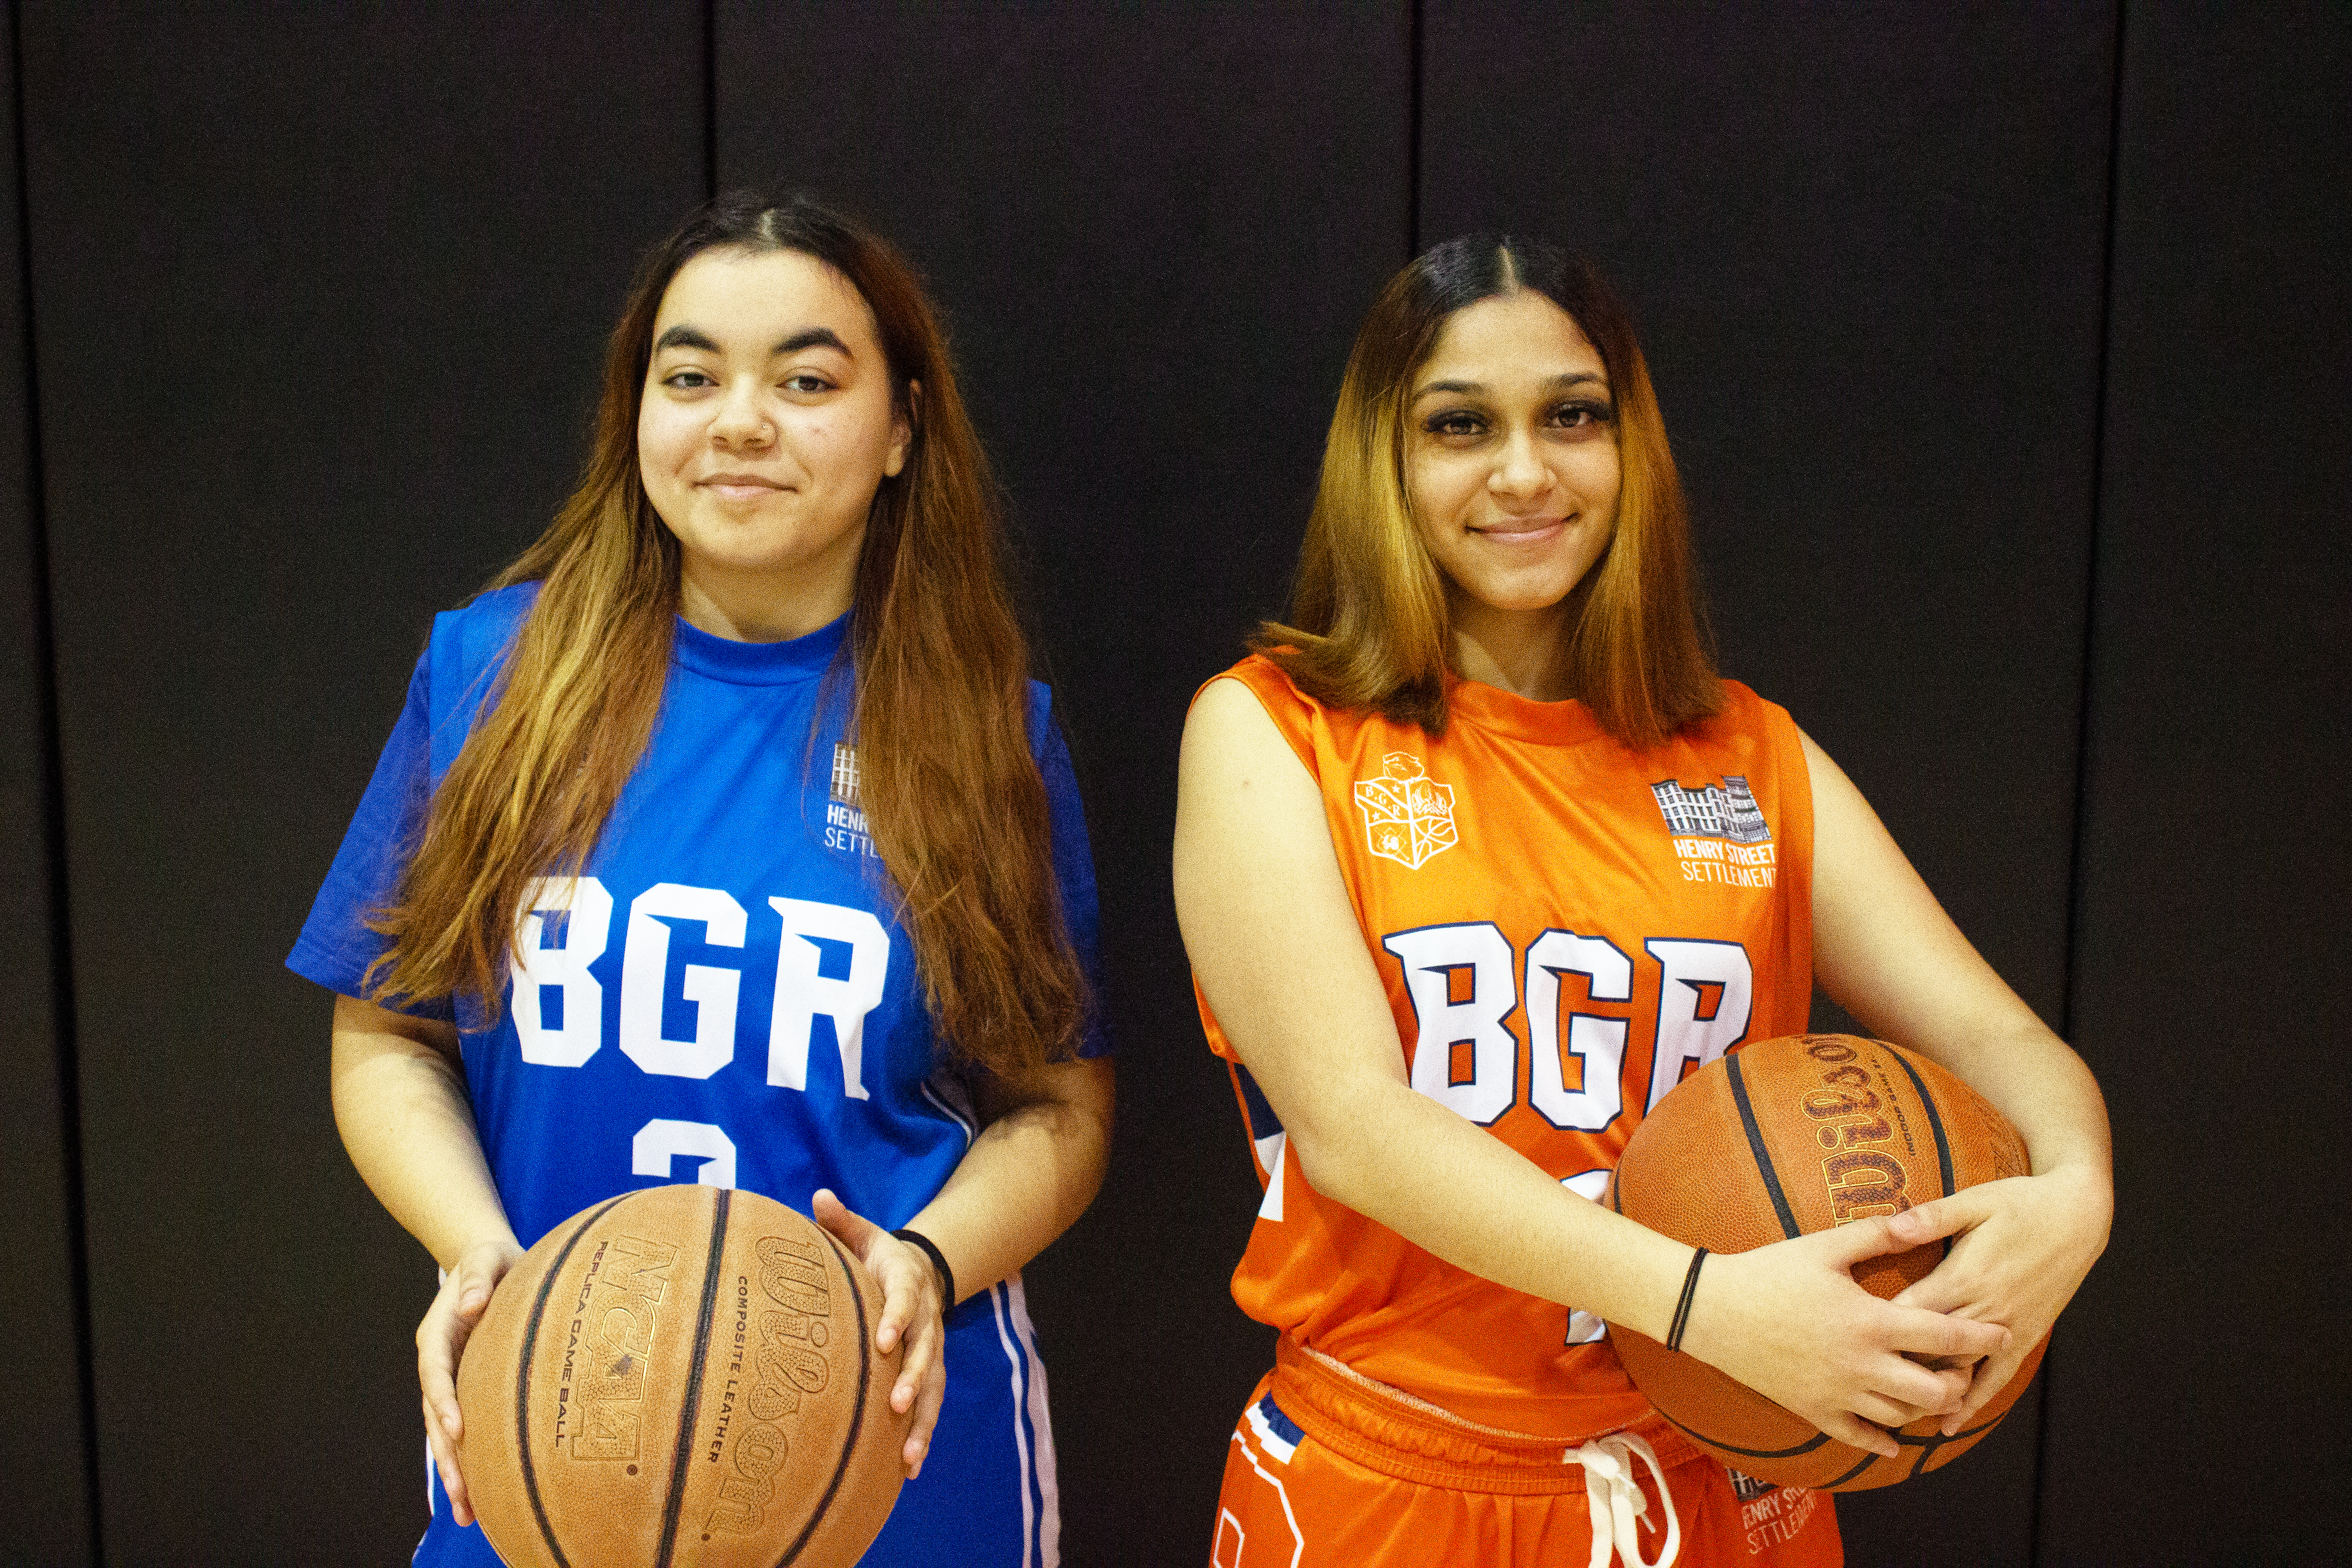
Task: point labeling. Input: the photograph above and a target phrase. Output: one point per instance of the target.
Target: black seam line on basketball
(522, 1383)
(1934, 1125)
(1836, 1481)
(1927, 1446)
(1807, 1447)
(1755, 1146)
(1965, 1433)
(1936, 1439)
(682, 1461)
(857, 1411)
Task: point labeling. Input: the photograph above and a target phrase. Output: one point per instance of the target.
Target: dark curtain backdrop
(2004, 350)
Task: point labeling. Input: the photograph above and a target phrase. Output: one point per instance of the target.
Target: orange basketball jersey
(1565, 927)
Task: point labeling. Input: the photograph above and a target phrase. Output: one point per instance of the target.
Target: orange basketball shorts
(1328, 1470)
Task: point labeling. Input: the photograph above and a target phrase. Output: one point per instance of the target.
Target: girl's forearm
(1026, 1178)
(408, 1125)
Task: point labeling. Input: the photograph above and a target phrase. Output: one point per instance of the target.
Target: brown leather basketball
(1781, 1139)
(685, 1374)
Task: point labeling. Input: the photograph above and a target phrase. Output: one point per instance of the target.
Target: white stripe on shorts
(1033, 1428)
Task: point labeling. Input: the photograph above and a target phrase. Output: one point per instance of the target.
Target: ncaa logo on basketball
(626, 1282)
(1408, 815)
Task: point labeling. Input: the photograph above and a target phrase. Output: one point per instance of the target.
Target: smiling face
(1511, 463)
(767, 426)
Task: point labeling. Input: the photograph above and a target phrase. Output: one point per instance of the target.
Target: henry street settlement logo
(844, 821)
(1408, 815)
(1720, 832)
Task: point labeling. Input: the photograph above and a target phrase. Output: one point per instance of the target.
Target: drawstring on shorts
(1612, 1490)
(1402, 1435)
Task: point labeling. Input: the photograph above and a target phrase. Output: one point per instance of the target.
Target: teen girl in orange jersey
(1474, 861)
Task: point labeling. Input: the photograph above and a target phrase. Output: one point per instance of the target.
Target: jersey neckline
(1567, 722)
(759, 663)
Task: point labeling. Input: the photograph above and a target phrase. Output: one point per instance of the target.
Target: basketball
(681, 1375)
(1781, 1139)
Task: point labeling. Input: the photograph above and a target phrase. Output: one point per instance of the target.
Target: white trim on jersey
(961, 1115)
(432, 1471)
(1269, 1158)
(1032, 1429)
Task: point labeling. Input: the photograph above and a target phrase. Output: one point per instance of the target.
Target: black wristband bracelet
(1683, 1307)
(939, 1262)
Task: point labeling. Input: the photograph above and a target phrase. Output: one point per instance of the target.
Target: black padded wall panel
(321, 296)
(2212, 948)
(1865, 247)
(1153, 237)
(1865, 251)
(319, 299)
(44, 1502)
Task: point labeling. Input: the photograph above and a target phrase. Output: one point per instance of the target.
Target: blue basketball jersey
(723, 996)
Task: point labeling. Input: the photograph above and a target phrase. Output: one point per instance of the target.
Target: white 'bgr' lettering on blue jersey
(723, 994)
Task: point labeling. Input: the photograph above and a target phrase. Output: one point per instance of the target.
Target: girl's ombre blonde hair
(1369, 626)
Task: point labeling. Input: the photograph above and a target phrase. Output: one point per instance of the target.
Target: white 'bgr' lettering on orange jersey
(1524, 884)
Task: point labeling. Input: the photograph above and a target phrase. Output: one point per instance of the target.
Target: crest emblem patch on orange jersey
(1408, 815)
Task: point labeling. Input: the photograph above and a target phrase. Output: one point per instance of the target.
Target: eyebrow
(1473, 388)
(685, 337)
(810, 338)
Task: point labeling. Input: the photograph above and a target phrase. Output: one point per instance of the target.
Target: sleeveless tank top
(1565, 929)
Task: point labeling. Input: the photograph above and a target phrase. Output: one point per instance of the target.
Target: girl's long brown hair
(952, 796)
(1369, 627)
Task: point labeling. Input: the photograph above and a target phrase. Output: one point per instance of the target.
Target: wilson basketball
(682, 1374)
(1781, 1139)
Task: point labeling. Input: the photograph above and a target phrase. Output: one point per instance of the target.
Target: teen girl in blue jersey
(726, 838)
